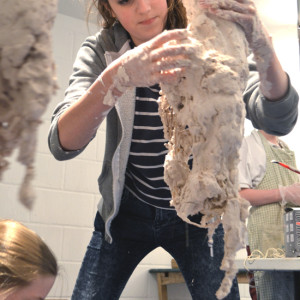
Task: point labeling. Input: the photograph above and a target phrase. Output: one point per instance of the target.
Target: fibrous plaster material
(27, 80)
(203, 117)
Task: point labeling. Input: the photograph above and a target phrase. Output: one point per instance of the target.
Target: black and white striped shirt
(145, 172)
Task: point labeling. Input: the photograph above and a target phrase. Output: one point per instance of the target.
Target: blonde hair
(23, 257)
(176, 13)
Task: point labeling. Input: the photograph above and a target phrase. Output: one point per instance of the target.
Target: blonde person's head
(23, 257)
(176, 13)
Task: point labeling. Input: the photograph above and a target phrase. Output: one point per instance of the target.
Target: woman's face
(143, 19)
(37, 290)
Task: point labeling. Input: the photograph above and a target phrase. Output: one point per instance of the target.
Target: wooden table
(165, 277)
(173, 275)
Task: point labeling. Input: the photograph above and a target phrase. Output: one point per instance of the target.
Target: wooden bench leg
(162, 288)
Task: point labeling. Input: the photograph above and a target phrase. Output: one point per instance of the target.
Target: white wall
(67, 192)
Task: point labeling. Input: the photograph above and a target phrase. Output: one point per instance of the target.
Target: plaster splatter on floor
(27, 81)
(203, 116)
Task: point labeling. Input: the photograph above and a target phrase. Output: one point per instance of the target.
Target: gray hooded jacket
(95, 54)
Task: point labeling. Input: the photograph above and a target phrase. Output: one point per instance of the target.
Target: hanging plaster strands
(257, 254)
(27, 81)
(203, 117)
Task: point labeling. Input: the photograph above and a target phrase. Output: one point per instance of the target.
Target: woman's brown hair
(23, 257)
(176, 13)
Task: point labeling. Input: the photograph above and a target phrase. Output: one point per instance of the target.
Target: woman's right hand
(162, 59)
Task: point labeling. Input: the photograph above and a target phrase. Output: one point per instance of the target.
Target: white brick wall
(67, 192)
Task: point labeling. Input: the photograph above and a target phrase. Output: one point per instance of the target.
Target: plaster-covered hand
(290, 194)
(244, 13)
(162, 59)
(274, 82)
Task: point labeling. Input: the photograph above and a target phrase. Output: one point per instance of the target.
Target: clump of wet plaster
(27, 81)
(203, 117)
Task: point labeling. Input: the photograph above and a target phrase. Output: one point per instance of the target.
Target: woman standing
(115, 77)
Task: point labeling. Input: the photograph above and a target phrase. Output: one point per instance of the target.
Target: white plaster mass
(27, 80)
(203, 117)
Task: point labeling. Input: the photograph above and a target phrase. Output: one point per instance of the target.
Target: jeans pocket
(99, 224)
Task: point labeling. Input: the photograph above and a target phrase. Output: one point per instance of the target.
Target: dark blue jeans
(137, 230)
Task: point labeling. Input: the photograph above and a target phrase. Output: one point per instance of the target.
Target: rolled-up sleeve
(274, 117)
(87, 67)
(55, 147)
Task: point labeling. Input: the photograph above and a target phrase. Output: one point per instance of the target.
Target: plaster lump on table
(26, 80)
(203, 116)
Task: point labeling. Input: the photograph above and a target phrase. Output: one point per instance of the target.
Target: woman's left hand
(244, 13)
(273, 79)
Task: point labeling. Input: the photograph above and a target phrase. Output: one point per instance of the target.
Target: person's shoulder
(252, 139)
(254, 135)
(104, 40)
(111, 39)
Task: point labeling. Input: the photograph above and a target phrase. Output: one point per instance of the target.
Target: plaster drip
(27, 81)
(203, 117)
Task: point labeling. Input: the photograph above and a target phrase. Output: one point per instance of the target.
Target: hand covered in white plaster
(273, 79)
(162, 59)
(244, 13)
